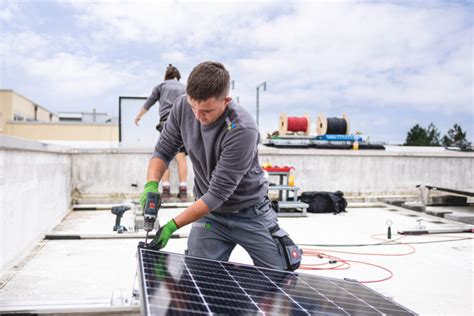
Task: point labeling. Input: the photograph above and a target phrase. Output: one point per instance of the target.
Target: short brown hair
(208, 79)
(172, 72)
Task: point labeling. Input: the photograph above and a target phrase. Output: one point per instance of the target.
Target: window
(18, 117)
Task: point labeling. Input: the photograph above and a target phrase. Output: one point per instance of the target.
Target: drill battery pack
(150, 211)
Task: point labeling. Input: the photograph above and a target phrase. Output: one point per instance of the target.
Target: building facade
(23, 118)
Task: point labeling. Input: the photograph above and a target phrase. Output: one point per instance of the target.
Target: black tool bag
(324, 202)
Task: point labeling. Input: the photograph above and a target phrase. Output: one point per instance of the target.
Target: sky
(387, 64)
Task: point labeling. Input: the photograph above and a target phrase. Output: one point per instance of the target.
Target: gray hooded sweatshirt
(227, 174)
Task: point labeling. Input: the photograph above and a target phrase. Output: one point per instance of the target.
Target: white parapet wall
(39, 181)
(374, 172)
(101, 175)
(35, 190)
(109, 173)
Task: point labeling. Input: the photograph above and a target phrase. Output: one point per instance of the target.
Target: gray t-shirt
(166, 92)
(227, 174)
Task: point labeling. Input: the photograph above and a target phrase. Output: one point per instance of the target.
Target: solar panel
(174, 284)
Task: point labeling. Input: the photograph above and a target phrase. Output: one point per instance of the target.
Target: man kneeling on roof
(232, 206)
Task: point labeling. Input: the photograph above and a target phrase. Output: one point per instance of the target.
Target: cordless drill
(150, 212)
(118, 212)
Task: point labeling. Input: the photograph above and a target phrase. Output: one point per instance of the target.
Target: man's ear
(227, 100)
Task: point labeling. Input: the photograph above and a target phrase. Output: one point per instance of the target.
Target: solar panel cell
(174, 284)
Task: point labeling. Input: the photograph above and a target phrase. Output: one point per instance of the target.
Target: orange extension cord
(345, 264)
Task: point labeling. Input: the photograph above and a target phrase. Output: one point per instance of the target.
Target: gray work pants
(215, 235)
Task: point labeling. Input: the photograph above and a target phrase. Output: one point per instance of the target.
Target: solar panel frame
(208, 287)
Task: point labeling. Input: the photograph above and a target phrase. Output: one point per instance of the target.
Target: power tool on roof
(150, 212)
(118, 211)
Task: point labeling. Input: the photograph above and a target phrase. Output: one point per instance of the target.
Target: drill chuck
(148, 224)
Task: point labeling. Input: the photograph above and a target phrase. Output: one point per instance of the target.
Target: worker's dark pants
(215, 235)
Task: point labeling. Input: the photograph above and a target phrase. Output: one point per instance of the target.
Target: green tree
(417, 136)
(433, 135)
(455, 137)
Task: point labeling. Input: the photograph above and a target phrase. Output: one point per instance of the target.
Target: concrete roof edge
(265, 150)
(15, 143)
(113, 151)
(61, 123)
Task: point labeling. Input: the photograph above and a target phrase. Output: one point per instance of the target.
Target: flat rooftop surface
(429, 274)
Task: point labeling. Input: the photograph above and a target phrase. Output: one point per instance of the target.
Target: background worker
(232, 206)
(166, 93)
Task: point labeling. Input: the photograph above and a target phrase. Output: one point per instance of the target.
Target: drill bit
(146, 238)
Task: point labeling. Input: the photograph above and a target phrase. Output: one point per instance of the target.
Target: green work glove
(163, 235)
(150, 186)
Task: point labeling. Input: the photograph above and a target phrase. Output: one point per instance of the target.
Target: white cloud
(174, 57)
(315, 56)
(176, 22)
(371, 50)
(19, 44)
(5, 15)
(8, 10)
(76, 75)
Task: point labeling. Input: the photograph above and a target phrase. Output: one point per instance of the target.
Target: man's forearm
(194, 212)
(142, 112)
(156, 169)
